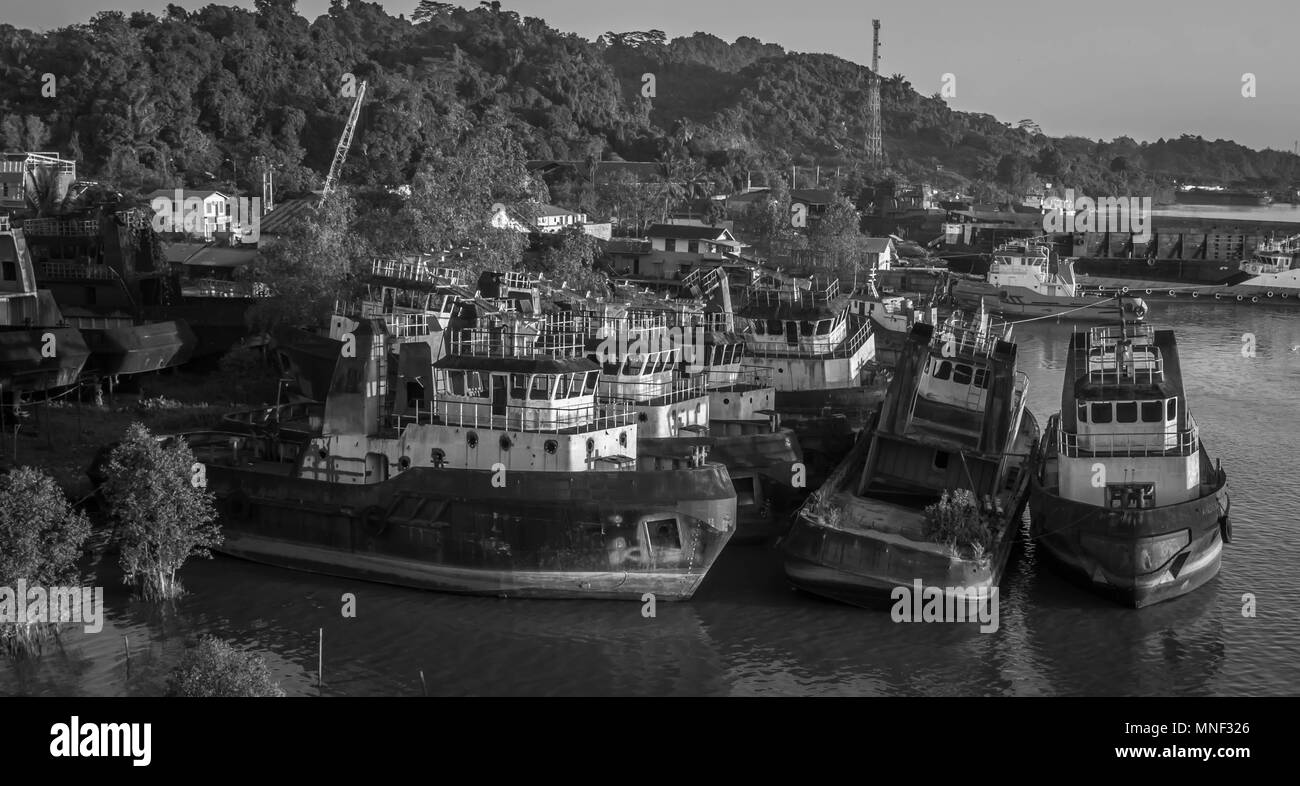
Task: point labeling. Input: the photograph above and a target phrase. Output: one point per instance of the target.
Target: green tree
(215, 668)
(311, 267)
(41, 539)
(573, 262)
(162, 516)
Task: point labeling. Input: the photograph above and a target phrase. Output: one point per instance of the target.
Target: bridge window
(1126, 412)
(518, 385)
(590, 387)
(805, 328)
(823, 327)
(1101, 412)
(961, 374)
(775, 327)
(759, 328)
(982, 378)
(1083, 413)
(474, 384)
(1171, 410)
(944, 371)
(1151, 412)
(455, 383)
(541, 387)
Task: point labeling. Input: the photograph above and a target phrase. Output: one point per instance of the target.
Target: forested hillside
(198, 96)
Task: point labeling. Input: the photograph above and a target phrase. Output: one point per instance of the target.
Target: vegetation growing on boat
(822, 510)
(959, 520)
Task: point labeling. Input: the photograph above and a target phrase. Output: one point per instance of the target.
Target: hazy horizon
(1118, 69)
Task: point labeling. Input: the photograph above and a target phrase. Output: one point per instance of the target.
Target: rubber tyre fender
(1225, 528)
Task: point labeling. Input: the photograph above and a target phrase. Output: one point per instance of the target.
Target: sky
(1098, 69)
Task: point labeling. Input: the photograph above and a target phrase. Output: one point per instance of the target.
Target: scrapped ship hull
(136, 349)
(1158, 275)
(1135, 557)
(41, 359)
(1019, 303)
(862, 566)
(766, 470)
(615, 534)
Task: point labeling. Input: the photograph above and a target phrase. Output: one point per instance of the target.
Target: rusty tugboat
(1126, 498)
(496, 470)
(955, 418)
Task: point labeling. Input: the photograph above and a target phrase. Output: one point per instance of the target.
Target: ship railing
(1109, 335)
(62, 268)
(518, 280)
(1129, 444)
(404, 326)
(965, 340)
(1288, 245)
(215, 287)
(61, 227)
(408, 269)
(653, 391)
(844, 349)
(743, 375)
(451, 276)
(597, 416)
(502, 343)
(1140, 368)
(4, 224)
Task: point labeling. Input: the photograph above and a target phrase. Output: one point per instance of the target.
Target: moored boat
(1027, 280)
(1126, 498)
(954, 421)
(509, 476)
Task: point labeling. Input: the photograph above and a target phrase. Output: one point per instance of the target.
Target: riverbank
(63, 435)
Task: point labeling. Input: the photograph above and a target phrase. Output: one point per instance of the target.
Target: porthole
(323, 453)
(404, 463)
(726, 401)
(471, 439)
(551, 446)
(505, 442)
(591, 445)
(643, 417)
(622, 439)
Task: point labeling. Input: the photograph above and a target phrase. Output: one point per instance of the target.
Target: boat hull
(1125, 555)
(139, 348)
(1018, 303)
(30, 361)
(615, 534)
(862, 566)
(765, 470)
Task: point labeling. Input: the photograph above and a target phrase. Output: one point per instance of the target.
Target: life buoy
(238, 505)
(375, 520)
(1225, 528)
(1151, 263)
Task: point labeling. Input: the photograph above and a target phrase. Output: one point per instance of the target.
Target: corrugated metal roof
(285, 216)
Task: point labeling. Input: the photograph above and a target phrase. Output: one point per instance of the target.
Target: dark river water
(747, 633)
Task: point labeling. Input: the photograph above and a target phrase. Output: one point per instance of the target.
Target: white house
(549, 218)
(881, 252)
(191, 211)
